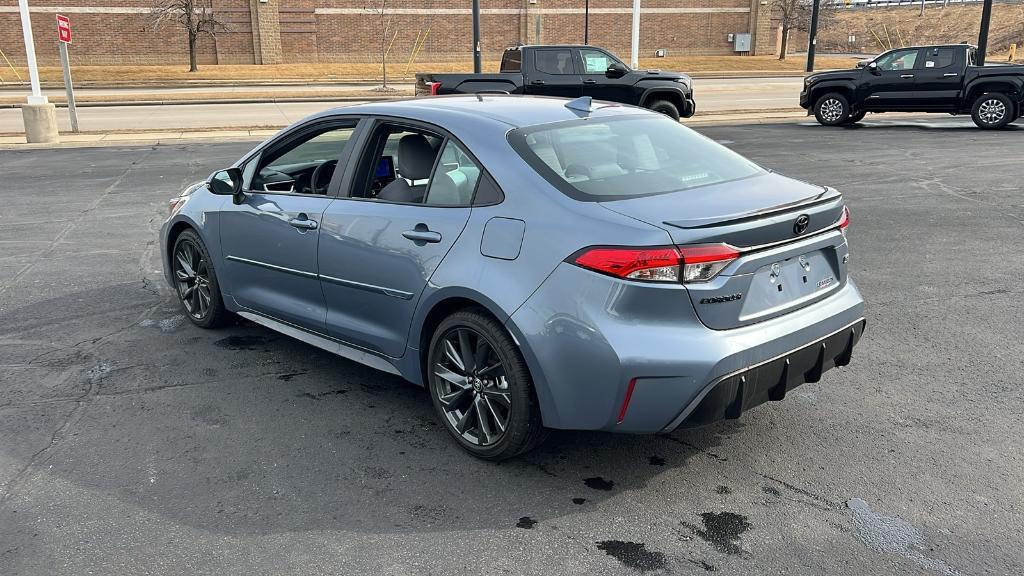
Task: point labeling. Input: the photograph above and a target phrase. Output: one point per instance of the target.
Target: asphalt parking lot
(133, 443)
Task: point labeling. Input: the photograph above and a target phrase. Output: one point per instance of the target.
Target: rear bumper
(727, 397)
(586, 336)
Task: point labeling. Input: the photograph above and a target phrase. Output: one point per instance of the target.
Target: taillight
(434, 86)
(659, 263)
(844, 219)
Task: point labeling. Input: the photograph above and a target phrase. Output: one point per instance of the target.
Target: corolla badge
(801, 224)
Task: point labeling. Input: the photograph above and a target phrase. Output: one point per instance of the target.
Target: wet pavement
(132, 442)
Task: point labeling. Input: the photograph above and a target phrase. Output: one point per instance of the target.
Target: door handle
(906, 75)
(590, 81)
(949, 74)
(422, 235)
(537, 82)
(303, 223)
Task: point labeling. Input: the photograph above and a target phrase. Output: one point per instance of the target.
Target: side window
(898, 60)
(554, 61)
(455, 179)
(938, 57)
(595, 61)
(397, 164)
(304, 165)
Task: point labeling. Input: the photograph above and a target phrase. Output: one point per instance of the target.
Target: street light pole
(476, 36)
(39, 116)
(634, 53)
(586, 22)
(30, 54)
(986, 16)
(812, 36)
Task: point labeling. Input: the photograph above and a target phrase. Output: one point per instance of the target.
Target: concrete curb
(215, 101)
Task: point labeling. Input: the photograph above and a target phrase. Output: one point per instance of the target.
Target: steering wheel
(318, 173)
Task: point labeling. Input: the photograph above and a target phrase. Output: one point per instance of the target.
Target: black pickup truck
(571, 72)
(920, 79)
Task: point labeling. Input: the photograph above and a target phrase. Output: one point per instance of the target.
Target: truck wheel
(832, 109)
(856, 117)
(665, 107)
(992, 111)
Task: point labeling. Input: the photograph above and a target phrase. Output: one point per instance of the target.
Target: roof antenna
(581, 104)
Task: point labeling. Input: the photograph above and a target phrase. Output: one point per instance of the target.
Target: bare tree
(796, 14)
(384, 26)
(195, 16)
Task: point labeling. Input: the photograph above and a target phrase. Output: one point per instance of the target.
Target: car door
(594, 64)
(939, 78)
(890, 86)
(408, 200)
(553, 73)
(269, 240)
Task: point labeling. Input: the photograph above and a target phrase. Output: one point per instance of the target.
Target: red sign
(63, 29)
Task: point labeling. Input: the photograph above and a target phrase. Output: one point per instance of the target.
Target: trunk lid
(783, 266)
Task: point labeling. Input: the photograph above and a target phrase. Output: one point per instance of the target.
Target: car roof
(503, 110)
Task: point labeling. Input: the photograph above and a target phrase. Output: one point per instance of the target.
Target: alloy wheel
(831, 110)
(471, 385)
(992, 111)
(192, 275)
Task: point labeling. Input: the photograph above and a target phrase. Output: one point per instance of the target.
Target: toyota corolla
(534, 263)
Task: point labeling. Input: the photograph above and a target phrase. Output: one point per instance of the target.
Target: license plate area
(790, 283)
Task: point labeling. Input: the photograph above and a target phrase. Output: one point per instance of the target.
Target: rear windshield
(626, 157)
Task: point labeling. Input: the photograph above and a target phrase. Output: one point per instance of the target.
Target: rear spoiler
(827, 195)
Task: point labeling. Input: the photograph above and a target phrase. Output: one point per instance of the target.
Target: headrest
(415, 157)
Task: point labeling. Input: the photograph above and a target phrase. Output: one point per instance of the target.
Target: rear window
(626, 157)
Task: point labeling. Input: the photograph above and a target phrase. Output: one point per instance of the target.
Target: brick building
(285, 31)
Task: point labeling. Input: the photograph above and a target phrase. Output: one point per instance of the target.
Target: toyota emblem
(801, 224)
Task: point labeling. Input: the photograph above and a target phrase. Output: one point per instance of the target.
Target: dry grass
(396, 72)
(904, 26)
(264, 95)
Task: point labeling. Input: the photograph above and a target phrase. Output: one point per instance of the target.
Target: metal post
(634, 53)
(812, 36)
(30, 54)
(986, 16)
(586, 22)
(476, 36)
(68, 88)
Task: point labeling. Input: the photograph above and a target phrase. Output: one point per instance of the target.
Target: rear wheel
(992, 111)
(665, 107)
(196, 281)
(481, 387)
(832, 109)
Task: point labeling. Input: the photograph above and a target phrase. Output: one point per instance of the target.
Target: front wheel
(196, 281)
(481, 387)
(832, 109)
(992, 111)
(665, 107)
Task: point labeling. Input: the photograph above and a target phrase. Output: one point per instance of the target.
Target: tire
(856, 117)
(465, 381)
(832, 109)
(665, 107)
(992, 111)
(196, 281)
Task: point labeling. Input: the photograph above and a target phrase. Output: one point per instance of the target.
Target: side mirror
(226, 183)
(616, 70)
(863, 63)
(873, 68)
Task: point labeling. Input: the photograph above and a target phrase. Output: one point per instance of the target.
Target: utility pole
(634, 52)
(476, 36)
(39, 115)
(986, 16)
(586, 22)
(812, 36)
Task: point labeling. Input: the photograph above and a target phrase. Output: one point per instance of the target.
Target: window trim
(286, 138)
(371, 124)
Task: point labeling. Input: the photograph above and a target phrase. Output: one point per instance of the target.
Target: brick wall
(121, 31)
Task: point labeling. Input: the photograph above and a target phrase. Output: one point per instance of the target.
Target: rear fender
(1009, 86)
